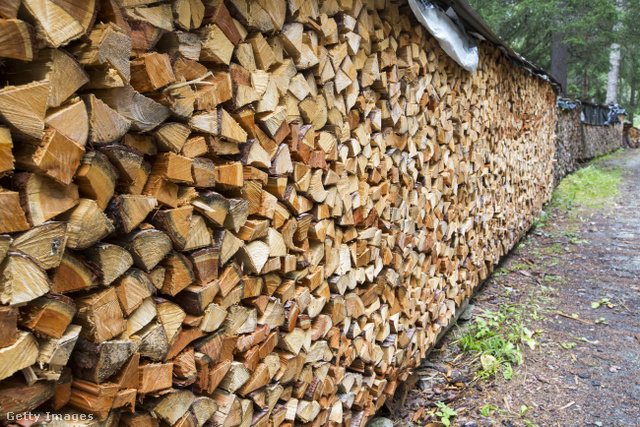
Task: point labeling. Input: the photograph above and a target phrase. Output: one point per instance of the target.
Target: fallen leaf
(614, 369)
(488, 361)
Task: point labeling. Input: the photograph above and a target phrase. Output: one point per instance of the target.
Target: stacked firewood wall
(570, 143)
(246, 213)
(601, 140)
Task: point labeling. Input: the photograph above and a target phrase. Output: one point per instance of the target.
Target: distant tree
(630, 54)
(614, 58)
(578, 31)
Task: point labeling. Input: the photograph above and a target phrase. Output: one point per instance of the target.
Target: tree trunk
(614, 60)
(632, 102)
(612, 79)
(560, 54)
(585, 81)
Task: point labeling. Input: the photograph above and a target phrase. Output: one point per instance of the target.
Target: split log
(56, 156)
(24, 107)
(132, 289)
(42, 198)
(143, 113)
(86, 224)
(106, 125)
(21, 280)
(96, 362)
(16, 37)
(154, 377)
(58, 25)
(17, 397)
(19, 355)
(12, 215)
(6, 156)
(147, 247)
(9, 331)
(111, 260)
(48, 316)
(96, 178)
(100, 316)
(128, 211)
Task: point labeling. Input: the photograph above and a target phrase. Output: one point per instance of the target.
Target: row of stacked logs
(249, 212)
(631, 136)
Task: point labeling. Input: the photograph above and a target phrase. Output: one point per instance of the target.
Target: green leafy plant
(445, 413)
(486, 410)
(603, 301)
(497, 337)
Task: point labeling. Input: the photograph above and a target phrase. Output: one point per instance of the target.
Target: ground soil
(585, 368)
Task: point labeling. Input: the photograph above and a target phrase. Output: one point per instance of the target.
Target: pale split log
(147, 247)
(55, 354)
(19, 355)
(156, 16)
(57, 23)
(170, 407)
(74, 273)
(55, 155)
(128, 211)
(254, 256)
(24, 107)
(105, 124)
(171, 136)
(107, 48)
(71, 120)
(48, 316)
(216, 47)
(16, 39)
(143, 112)
(86, 224)
(21, 280)
(12, 216)
(112, 260)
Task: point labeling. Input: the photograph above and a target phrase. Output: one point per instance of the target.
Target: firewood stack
(246, 213)
(631, 136)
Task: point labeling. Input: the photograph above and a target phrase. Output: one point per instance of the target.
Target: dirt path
(566, 304)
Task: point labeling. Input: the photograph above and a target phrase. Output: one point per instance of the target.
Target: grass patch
(593, 186)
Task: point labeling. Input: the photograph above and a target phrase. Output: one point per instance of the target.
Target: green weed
(518, 266)
(498, 338)
(445, 413)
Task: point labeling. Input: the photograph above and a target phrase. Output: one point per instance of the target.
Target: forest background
(591, 47)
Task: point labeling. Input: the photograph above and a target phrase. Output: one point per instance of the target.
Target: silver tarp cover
(451, 36)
